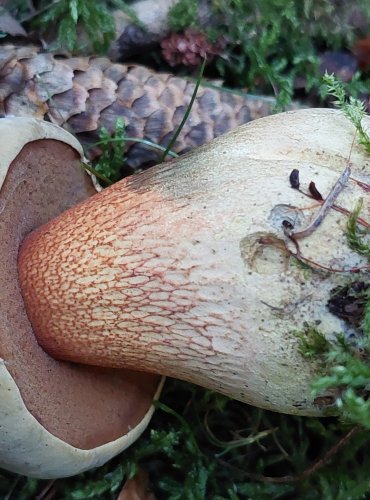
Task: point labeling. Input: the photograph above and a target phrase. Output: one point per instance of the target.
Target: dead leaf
(136, 488)
(362, 52)
(10, 25)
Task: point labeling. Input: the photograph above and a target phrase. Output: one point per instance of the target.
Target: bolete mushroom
(187, 269)
(56, 419)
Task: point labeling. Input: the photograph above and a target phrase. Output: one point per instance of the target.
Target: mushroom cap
(56, 419)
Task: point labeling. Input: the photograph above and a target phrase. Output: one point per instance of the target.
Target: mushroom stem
(182, 270)
(141, 275)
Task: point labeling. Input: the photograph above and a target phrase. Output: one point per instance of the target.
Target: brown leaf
(315, 193)
(362, 52)
(136, 488)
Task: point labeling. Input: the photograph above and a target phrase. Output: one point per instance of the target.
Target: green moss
(270, 43)
(356, 236)
(94, 19)
(183, 463)
(183, 15)
(113, 148)
(312, 342)
(353, 108)
(366, 322)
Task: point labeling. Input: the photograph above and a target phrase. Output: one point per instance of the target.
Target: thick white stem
(182, 270)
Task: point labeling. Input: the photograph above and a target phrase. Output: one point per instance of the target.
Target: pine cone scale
(84, 94)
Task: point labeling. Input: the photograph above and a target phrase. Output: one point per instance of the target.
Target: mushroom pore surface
(83, 406)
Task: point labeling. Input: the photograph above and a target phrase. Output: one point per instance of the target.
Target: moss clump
(356, 237)
(312, 342)
(271, 43)
(68, 17)
(183, 15)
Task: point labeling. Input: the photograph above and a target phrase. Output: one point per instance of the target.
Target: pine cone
(84, 94)
(189, 48)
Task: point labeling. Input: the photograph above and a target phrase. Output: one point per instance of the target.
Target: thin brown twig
(330, 453)
(12, 488)
(363, 185)
(325, 207)
(335, 207)
(234, 443)
(48, 492)
(328, 203)
(298, 255)
(313, 468)
(344, 211)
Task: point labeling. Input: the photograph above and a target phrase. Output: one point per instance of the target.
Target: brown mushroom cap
(56, 418)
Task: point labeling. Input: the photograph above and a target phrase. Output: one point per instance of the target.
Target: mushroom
(187, 269)
(56, 419)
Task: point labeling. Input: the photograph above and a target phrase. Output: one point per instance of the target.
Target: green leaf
(73, 10)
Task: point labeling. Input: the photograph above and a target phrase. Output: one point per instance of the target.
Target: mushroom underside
(78, 407)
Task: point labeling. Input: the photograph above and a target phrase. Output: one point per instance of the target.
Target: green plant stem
(186, 115)
(92, 171)
(140, 141)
